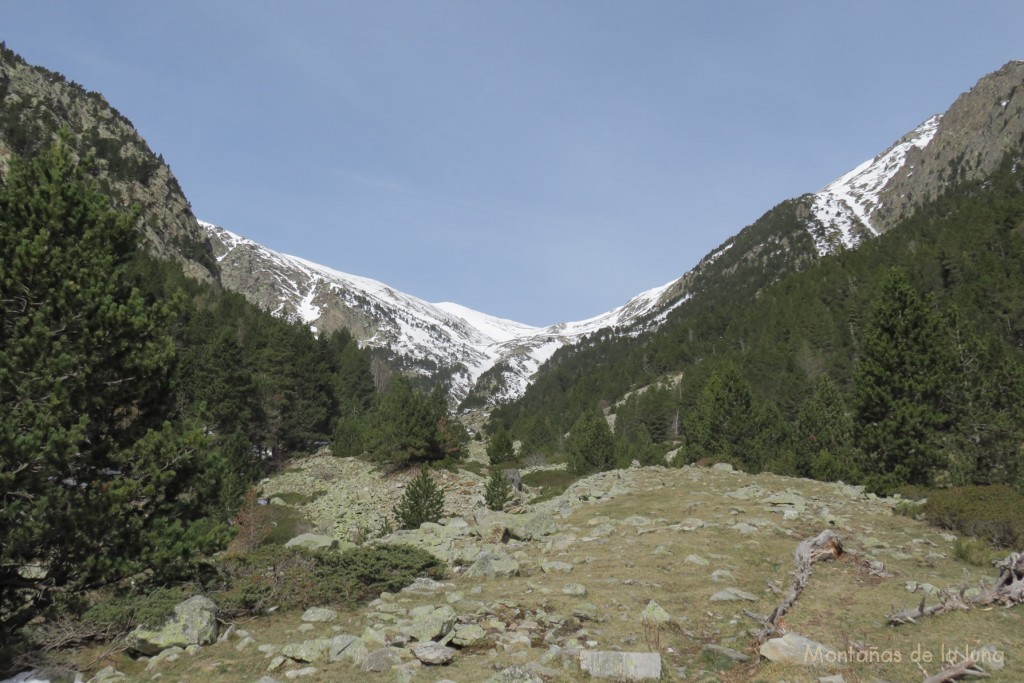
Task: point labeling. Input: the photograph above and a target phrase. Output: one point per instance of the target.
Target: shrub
(994, 513)
(298, 578)
(498, 491)
(423, 501)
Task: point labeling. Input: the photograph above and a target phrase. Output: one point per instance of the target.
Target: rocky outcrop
(194, 623)
(36, 103)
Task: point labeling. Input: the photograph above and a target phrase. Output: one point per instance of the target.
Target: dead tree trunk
(824, 546)
(1007, 590)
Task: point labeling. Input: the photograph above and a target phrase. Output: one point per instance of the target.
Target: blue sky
(540, 160)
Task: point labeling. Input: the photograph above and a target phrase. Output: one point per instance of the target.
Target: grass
(551, 482)
(843, 605)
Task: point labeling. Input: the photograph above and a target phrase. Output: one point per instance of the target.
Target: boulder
(433, 653)
(429, 622)
(491, 564)
(654, 614)
(383, 659)
(796, 649)
(319, 615)
(194, 622)
(732, 594)
(309, 541)
(621, 666)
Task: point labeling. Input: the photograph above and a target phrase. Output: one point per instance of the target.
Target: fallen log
(825, 546)
(1006, 591)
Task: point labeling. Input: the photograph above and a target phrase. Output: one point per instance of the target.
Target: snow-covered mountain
(435, 338)
(493, 360)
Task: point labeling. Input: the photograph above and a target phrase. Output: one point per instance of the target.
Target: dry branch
(824, 546)
(1007, 590)
(955, 672)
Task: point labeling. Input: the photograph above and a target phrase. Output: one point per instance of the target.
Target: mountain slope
(489, 360)
(36, 103)
(444, 340)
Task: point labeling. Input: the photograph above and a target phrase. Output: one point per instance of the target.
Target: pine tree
(903, 376)
(824, 437)
(720, 424)
(590, 445)
(96, 481)
(500, 448)
(423, 501)
(498, 491)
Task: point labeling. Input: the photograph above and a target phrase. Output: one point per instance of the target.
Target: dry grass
(843, 605)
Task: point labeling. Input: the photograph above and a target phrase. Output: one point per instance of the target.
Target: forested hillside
(960, 256)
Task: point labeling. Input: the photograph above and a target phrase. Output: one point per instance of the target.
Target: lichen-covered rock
(194, 622)
(622, 666)
(491, 564)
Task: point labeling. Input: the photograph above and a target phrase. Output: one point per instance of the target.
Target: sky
(538, 160)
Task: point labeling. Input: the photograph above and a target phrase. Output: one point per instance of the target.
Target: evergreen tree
(635, 445)
(590, 444)
(498, 491)
(423, 501)
(824, 437)
(902, 377)
(403, 427)
(500, 448)
(720, 424)
(96, 481)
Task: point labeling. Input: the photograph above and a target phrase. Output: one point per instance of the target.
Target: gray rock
(347, 648)
(515, 674)
(732, 654)
(697, 560)
(311, 541)
(576, 589)
(194, 623)
(554, 566)
(493, 564)
(468, 634)
(655, 614)
(383, 659)
(433, 653)
(732, 594)
(722, 467)
(301, 673)
(514, 478)
(319, 615)
(796, 649)
(107, 673)
(622, 666)
(722, 575)
(429, 622)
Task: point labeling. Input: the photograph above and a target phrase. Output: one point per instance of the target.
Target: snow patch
(842, 210)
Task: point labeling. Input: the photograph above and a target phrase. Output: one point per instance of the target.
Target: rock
(107, 673)
(311, 541)
(319, 615)
(194, 623)
(309, 651)
(661, 551)
(244, 643)
(838, 678)
(468, 634)
(347, 648)
(788, 499)
(426, 586)
(722, 467)
(745, 528)
(796, 649)
(433, 653)
(300, 673)
(383, 659)
(514, 479)
(493, 564)
(722, 575)
(556, 566)
(622, 666)
(655, 614)
(576, 589)
(515, 674)
(266, 679)
(732, 594)
(690, 524)
(697, 560)
(732, 654)
(429, 622)
(169, 655)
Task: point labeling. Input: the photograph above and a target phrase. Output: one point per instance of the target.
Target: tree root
(824, 546)
(1007, 590)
